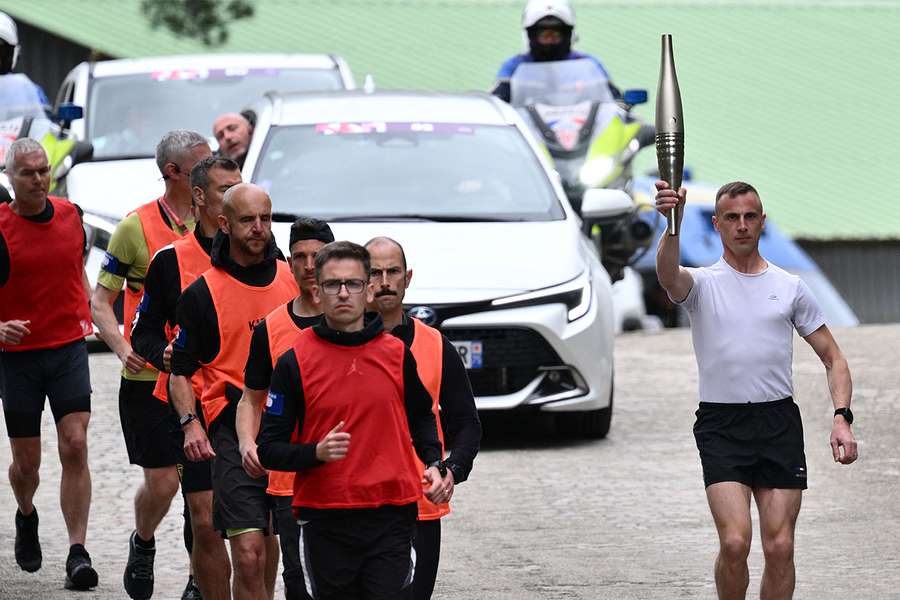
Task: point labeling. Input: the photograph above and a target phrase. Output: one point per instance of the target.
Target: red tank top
(192, 262)
(239, 308)
(362, 386)
(46, 277)
(428, 350)
(283, 333)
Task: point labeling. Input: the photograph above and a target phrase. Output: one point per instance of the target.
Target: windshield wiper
(420, 217)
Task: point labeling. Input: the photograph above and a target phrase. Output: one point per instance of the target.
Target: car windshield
(432, 171)
(127, 115)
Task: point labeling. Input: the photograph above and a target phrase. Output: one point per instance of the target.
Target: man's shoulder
(511, 64)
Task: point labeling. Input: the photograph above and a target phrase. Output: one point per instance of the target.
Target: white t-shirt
(742, 327)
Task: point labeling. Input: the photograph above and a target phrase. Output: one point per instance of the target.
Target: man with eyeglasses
(216, 315)
(145, 420)
(344, 403)
(444, 376)
(272, 338)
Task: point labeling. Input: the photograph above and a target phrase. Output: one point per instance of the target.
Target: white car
(502, 266)
(130, 103)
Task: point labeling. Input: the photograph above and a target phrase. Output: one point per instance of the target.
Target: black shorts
(26, 378)
(148, 425)
(239, 501)
(360, 554)
(758, 444)
(194, 476)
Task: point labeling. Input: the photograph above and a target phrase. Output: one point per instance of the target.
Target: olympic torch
(669, 128)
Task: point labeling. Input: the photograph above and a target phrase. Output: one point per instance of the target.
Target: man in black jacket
(344, 380)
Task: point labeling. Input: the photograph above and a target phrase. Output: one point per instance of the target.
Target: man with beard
(216, 315)
(444, 376)
(233, 132)
(272, 338)
(549, 27)
(173, 269)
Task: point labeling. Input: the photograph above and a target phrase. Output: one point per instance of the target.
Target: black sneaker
(191, 591)
(138, 577)
(80, 575)
(28, 548)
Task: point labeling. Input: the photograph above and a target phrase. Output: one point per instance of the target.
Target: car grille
(512, 357)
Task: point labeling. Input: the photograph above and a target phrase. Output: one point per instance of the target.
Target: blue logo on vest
(275, 404)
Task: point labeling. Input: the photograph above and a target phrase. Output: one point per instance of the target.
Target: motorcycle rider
(549, 31)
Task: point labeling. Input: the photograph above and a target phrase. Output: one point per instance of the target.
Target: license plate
(470, 353)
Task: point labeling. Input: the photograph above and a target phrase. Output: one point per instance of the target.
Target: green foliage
(207, 20)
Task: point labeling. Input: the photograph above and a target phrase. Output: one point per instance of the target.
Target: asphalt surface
(550, 518)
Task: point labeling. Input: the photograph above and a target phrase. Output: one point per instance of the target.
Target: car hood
(471, 262)
(113, 188)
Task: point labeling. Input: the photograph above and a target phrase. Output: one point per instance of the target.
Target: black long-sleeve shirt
(462, 427)
(274, 446)
(258, 371)
(162, 289)
(195, 312)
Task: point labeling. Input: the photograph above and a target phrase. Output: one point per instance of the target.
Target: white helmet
(10, 35)
(536, 10)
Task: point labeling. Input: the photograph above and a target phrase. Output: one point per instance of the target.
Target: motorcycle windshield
(559, 83)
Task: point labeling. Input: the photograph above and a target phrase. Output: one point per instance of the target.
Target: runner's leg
(729, 503)
(248, 555)
(778, 512)
(152, 500)
(24, 470)
(75, 486)
(212, 570)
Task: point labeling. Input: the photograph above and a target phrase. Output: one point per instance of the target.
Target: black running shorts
(148, 425)
(239, 501)
(757, 444)
(26, 378)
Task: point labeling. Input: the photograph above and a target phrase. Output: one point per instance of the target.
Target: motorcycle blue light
(634, 97)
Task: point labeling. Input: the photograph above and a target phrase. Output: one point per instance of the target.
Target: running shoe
(80, 574)
(191, 591)
(28, 547)
(138, 577)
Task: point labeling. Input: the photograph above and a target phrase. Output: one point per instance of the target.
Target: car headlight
(97, 230)
(576, 294)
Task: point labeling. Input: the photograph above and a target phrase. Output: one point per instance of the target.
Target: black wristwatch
(440, 466)
(846, 413)
(184, 420)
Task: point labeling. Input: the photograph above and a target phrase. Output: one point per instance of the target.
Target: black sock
(29, 518)
(77, 549)
(145, 544)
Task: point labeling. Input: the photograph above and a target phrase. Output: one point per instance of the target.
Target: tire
(589, 424)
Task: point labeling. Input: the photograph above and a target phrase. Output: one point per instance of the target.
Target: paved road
(548, 518)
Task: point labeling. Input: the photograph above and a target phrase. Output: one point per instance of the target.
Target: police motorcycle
(592, 139)
(63, 150)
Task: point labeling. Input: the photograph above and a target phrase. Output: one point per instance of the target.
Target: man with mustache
(216, 315)
(444, 375)
(272, 338)
(344, 403)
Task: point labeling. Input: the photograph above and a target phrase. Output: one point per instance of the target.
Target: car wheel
(590, 424)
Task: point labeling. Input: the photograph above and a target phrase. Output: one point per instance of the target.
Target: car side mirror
(604, 204)
(82, 152)
(634, 97)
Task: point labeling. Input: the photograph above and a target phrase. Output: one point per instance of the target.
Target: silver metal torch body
(669, 128)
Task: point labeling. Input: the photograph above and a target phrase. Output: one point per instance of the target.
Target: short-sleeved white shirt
(742, 327)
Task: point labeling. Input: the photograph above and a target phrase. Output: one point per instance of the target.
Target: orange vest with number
(283, 333)
(157, 235)
(193, 261)
(239, 308)
(428, 350)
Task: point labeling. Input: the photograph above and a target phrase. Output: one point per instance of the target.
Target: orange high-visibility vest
(428, 350)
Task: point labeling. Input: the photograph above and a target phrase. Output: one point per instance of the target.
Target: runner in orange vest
(172, 269)
(345, 409)
(272, 338)
(216, 315)
(444, 375)
(145, 420)
(44, 318)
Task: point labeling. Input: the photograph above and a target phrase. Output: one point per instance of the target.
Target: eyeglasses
(332, 287)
